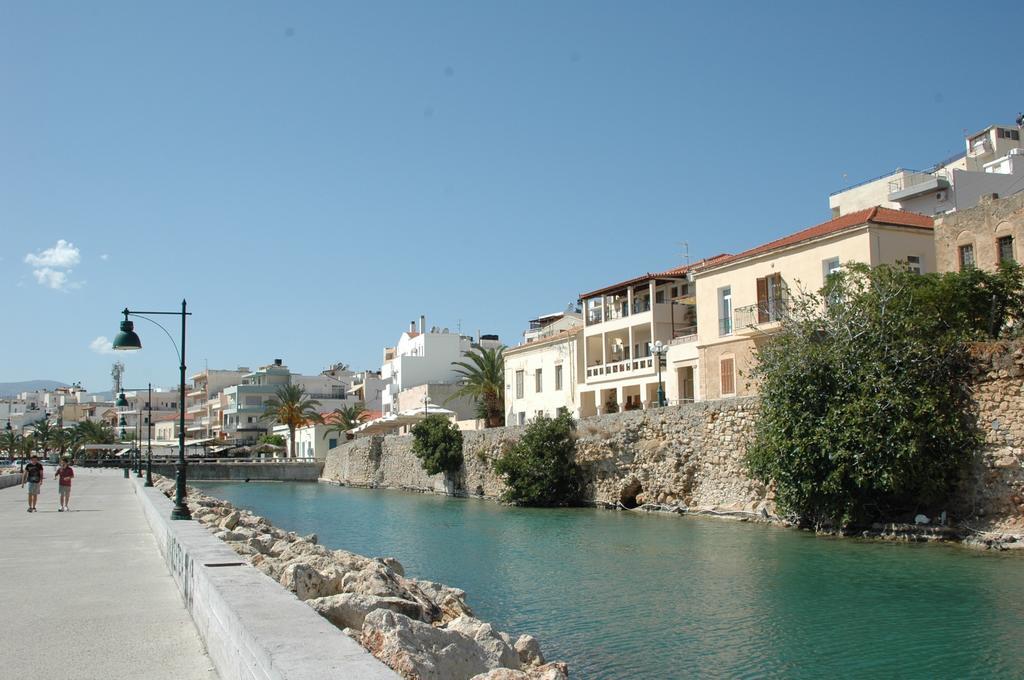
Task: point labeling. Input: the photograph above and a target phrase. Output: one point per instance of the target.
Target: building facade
(984, 236)
(741, 299)
(542, 376)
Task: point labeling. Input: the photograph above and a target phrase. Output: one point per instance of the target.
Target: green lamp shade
(122, 401)
(122, 422)
(123, 433)
(127, 339)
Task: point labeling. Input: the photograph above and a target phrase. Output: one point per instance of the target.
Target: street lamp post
(149, 437)
(128, 340)
(138, 444)
(658, 349)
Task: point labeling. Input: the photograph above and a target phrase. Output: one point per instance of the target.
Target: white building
(543, 376)
(993, 163)
(312, 442)
(425, 357)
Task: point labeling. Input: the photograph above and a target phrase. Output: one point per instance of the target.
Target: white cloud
(102, 345)
(104, 257)
(52, 267)
(51, 278)
(64, 255)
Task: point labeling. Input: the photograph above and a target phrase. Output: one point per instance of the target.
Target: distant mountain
(12, 389)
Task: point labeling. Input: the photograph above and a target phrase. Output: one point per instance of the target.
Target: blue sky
(312, 176)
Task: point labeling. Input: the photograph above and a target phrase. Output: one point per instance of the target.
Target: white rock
(348, 610)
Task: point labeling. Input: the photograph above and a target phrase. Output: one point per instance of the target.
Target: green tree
(272, 439)
(541, 469)
(93, 432)
(866, 408)
(437, 442)
(291, 406)
(42, 435)
(10, 442)
(343, 419)
(483, 379)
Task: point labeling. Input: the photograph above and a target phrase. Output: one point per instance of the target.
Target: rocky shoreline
(421, 629)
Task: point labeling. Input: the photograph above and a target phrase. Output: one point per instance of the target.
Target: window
(522, 418)
(966, 256)
(725, 311)
(728, 369)
(674, 293)
(520, 378)
(659, 296)
(914, 263)
(558, 377)
(828, 268)
(769, 298)
(561, 411)
(538, 380)
(1004, 246)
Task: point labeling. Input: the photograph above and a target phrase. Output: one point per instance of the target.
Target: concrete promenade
(86, 594)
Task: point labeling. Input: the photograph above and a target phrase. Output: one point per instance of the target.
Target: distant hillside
(12, 389)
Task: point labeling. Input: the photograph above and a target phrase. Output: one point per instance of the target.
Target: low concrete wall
(253, 628)
(284, 472)
(9, 480)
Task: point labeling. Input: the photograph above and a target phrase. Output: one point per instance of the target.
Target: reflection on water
(624, 595)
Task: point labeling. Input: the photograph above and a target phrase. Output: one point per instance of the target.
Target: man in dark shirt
(33, 474)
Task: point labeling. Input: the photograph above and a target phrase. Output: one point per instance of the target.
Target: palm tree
(10, 441)
(484, 380)
(344, 419)
(290, 406)
(42, 433)
(90, 432)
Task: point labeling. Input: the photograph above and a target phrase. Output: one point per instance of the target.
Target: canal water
(627, 595)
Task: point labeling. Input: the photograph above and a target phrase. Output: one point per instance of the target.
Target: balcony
(759, 317)
(619, 367)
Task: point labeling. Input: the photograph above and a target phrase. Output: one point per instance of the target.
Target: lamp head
(122, 422)
(122, 401)
(127, 340)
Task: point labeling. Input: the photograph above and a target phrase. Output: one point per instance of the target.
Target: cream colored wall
(891, 245)
(544, 356)
(800, 267)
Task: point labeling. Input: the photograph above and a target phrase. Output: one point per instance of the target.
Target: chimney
(277, 362)
(412, 326)
(423, 323)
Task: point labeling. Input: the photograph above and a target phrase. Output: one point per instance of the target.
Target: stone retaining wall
(692, 455)
(9, 480)
(689, 454)
(239, 472)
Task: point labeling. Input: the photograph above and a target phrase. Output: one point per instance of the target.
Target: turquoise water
(624, 595)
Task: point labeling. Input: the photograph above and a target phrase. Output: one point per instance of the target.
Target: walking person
(33, 475)
(64, 473)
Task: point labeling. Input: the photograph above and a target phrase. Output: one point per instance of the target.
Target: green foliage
(344, 419)
(866, 408)
(291, 406)
(483, 379)
(541, 469)
(273, 439)
(438, 444)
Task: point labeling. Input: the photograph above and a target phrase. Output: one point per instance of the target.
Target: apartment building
(992, 163)
(205, 401)
(742, 298)
(543, 375)
(985, 236)
(623, 322)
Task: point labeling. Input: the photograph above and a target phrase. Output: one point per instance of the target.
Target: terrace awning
(396, 420)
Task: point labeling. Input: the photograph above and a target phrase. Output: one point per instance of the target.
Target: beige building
(542, 376)
(622, 323)
(984, 236)
(742, 298)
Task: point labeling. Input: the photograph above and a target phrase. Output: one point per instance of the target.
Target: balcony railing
(769, 311)
(627, 366)
(641, 306)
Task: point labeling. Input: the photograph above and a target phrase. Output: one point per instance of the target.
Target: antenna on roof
(686, 252)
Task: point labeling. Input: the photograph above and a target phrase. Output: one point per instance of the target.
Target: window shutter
(728, 386)
(762, 300)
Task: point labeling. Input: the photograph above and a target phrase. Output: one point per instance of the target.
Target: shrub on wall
(866, 406)
(274, 439)
(437, 442)
(540, 469)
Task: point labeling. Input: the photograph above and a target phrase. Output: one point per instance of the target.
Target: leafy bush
(540, 469)
(866, 408)
(438, 444)
(274, 439)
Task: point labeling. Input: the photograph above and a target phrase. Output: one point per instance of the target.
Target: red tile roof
(876, 215)
(675, 273)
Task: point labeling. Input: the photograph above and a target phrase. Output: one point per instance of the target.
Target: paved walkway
(85, 594)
